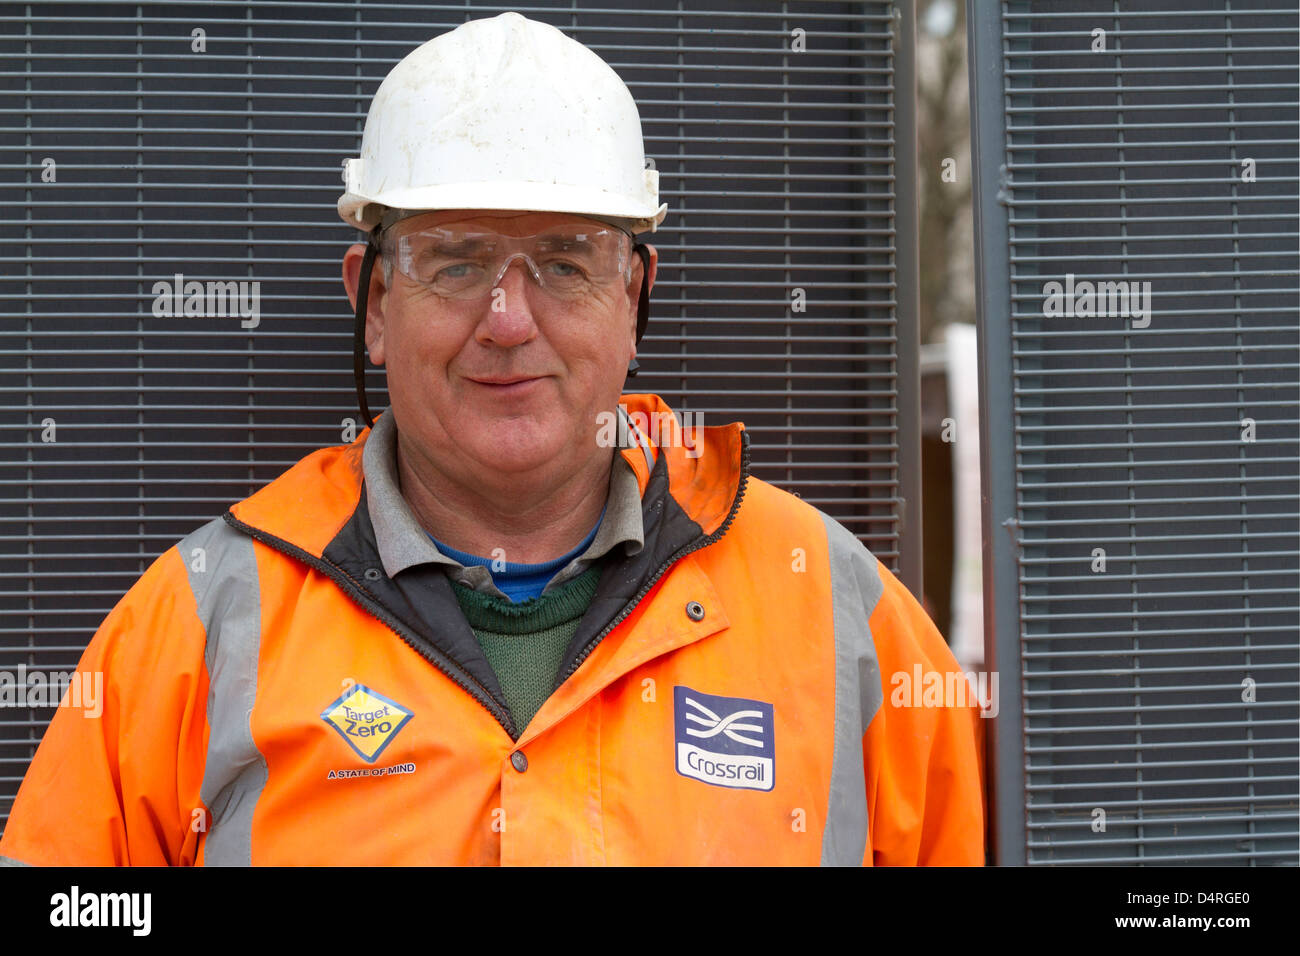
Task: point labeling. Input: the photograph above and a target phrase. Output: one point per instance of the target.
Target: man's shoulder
(309, 502)
(768, 497)
(224, 546)
(780, 510)
(194, 565)
(340, 464)
(771, 514)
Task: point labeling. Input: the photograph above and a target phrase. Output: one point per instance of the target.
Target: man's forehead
(505, 222)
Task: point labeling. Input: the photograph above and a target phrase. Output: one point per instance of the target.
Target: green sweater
(525, 642)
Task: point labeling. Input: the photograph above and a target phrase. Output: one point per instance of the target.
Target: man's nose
(509, 319)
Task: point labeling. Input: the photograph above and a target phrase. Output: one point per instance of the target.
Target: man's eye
(460, 270)
(563, 270)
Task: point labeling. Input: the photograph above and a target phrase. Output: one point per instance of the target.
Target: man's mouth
(507, 384)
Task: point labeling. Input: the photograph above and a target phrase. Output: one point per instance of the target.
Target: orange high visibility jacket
(272, 697)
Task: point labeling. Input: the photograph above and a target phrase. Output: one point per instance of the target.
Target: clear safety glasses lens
(568, 263)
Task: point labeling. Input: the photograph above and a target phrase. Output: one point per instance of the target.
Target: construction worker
(522, 618)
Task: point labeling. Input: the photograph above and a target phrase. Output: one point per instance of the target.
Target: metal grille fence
(1141, 464)
(146, 141)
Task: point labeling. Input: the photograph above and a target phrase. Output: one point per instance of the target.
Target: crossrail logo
(724, 741)
(366, 719)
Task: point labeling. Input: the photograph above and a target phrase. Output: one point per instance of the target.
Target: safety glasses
(568, 262)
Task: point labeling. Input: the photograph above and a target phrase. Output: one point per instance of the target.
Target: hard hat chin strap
(363, 298)
(643, 303)
(359, 328)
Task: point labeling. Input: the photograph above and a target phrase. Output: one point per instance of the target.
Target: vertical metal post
(907, 296)
(1005, 753)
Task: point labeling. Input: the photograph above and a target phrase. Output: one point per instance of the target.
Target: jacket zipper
(695, 545)
(359, 597)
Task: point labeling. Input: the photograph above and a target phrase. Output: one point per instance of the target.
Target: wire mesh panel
(148, 146)
(1138, 199)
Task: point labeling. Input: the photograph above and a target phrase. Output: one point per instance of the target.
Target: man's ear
(654, 265)
(375, 302)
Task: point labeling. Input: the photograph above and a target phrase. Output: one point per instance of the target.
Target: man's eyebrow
(455, 247)
(565, 241)
(467, 245)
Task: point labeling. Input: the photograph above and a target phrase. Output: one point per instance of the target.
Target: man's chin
(514, 444)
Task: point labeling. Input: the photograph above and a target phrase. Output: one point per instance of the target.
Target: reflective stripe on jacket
(272, 697)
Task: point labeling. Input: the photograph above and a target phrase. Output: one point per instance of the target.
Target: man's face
(510, 382)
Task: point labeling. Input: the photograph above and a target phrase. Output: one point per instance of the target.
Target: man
(509, 623)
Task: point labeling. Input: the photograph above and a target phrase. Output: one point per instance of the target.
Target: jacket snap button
(519, 761)
(695, 611)
(373, 574)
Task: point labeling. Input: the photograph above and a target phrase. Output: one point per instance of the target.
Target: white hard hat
(503, 113)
